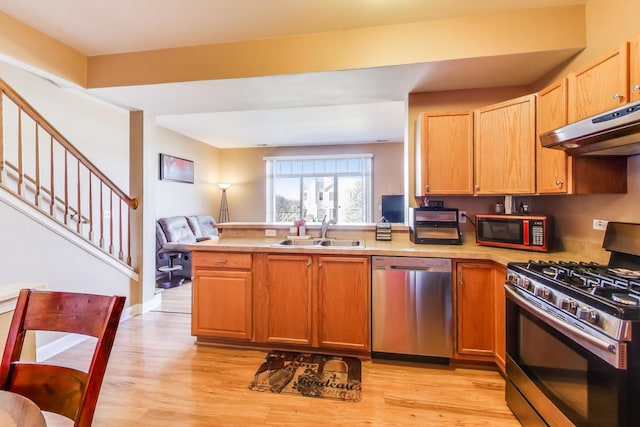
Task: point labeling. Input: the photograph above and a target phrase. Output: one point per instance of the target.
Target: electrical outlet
(462, 217)
(270, 232)
(600, 224)
(106, 214)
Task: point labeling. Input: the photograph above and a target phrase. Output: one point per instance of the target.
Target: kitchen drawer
(222, 260)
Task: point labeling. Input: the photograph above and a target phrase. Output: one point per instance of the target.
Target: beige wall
(29, 47)
(426, 41)
(176, 198)
(245, 170)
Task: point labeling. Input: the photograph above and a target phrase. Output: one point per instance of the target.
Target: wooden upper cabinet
(444, 153)
(558, 173)
(505, 136)
(601, 86)
(634, 68)
(551, 164)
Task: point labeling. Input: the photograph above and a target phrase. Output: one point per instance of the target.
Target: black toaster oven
(434, 225)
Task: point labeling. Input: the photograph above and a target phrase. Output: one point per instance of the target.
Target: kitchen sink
(298, 242)
(341, 243)
(320, 243)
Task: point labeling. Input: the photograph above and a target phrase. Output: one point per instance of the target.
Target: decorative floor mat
(311, 375)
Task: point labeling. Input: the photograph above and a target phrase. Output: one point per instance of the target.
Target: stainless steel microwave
(527, 232)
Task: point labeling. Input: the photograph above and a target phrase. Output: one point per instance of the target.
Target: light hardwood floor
(157, 376)
(176, 300)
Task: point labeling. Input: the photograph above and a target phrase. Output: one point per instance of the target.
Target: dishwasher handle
(404, 268)
(427, 265)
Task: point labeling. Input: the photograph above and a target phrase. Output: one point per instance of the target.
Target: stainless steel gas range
(573, 337)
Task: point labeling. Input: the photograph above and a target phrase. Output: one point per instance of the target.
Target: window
(312, 187)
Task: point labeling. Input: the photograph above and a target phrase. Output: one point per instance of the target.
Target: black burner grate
(591, 282)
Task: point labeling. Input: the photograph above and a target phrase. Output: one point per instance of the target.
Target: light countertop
(402, 246)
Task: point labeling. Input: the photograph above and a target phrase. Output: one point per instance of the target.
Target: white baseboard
(147, 306)
(58, 346)
(69, 340)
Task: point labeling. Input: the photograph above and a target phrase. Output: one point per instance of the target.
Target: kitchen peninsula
(249, 291)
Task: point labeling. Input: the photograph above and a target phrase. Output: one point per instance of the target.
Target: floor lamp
(224, 206)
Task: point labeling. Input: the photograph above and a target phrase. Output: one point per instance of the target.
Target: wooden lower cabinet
(323, 301)
(499, 275)
(480, 312)
(319, 301)
(286, 300)
(222, 296)
(343, 308)
(475, 309)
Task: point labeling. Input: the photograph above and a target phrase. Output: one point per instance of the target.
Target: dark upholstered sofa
(174, 233)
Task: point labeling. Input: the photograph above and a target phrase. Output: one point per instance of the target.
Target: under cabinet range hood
(613, 133)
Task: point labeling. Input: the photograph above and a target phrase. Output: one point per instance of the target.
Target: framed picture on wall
(176, 169)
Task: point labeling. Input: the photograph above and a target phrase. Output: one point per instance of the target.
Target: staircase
(42, 171)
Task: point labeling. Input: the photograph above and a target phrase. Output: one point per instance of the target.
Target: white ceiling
(315, 108)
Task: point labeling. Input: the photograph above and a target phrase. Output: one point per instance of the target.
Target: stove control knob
(569, 305)
(525, 283)
(543, 292)
(588, 314)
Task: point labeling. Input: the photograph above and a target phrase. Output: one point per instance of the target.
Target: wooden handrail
(30, 111)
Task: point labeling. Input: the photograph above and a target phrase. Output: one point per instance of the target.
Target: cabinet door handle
(309, 264)
(558, 182)
(426, 187)
(635, 88)
(220, 261)
(319, 265)
(460, 279)
(477, 187)
(618, 96)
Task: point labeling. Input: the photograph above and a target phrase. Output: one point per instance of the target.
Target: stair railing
(44, 169)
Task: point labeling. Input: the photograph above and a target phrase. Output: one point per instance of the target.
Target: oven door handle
(608, 350)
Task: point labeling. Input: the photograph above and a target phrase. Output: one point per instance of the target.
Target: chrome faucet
(325, 226)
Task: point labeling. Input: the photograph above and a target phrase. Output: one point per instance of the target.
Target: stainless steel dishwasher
(411, 307)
